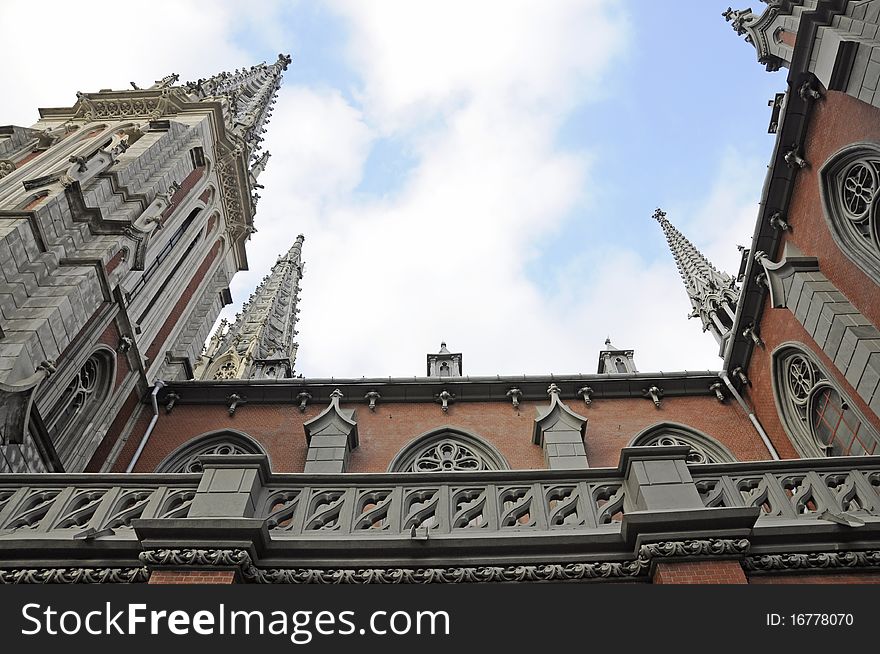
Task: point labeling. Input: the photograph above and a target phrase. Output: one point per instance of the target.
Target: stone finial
(552, 390)
(739, 19)
(514, 394)
(371, 397)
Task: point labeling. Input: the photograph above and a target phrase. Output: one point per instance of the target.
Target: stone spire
(713, 294)
(259, 343)
(247, 96)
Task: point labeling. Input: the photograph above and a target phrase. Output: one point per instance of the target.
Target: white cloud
(475, 92)
(87, 46)
(477, 97)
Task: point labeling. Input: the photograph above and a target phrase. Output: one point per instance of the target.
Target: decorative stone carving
(587, 393)
(738, 19)
(6, 167)
(778, 222)
(815, 561)
(372, 397)
(655, 393)
(303, 398)
(703, 448)
(72, 575)
(749, 332)
(170, 401)
(638, 567)
(793, 159)
(514, 394)
(718, 389)
(234, 401)
(809, 91)
(187, 458)
(448, 450)
(740, 374)
(444, 397)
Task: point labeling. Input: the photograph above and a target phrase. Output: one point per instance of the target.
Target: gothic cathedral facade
(124, 218)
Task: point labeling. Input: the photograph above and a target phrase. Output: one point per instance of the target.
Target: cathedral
(136, 449)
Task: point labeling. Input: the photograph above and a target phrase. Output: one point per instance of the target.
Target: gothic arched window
(704, 448)
(448, 450)
(820, 419)
(70, 417)
(849, 184)
(186, 457)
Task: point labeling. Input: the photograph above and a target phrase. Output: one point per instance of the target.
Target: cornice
(425, 389)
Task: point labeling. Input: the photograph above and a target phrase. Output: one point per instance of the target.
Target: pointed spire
(247, 95)
(713, 294)
(260, 343)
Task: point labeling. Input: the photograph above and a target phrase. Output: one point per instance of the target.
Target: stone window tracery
(186, 457)
(849, 183)
(448, 450)
(80, 401)
(820, 419)
(704, 449)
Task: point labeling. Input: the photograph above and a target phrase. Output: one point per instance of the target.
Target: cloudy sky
(482, 173)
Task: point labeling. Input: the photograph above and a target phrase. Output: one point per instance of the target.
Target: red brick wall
(185, 187)
(180, 577)
(383, 433)
(837, 121)
(827, 578)
(779, 326)
(700, 572)
(110, 338)
(180, 307)
(114, 432)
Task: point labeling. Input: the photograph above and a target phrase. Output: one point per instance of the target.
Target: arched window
(186, 457)
(819, 418)
(704, 448)
(69, 418)
(448, 450)
(849, 183)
